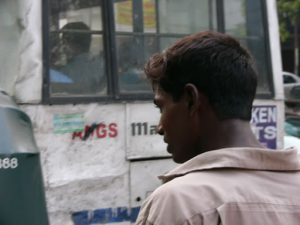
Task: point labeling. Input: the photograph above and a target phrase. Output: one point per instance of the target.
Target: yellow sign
(124, 13)
(149, 14)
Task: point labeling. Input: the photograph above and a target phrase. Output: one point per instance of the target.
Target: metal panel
(143, 178)
(141, 137)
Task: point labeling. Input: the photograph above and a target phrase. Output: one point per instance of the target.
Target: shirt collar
(243, 158)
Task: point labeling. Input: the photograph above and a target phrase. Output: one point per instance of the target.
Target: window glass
(10, 36)
(288, 79)
(185, 17)
(165, 42)
(142, 31)
(244, 20)
(133, 47)
(76, 49)
(132, 54)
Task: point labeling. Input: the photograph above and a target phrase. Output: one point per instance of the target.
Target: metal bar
(267, 39)
(109, 46)
(137, 16)
(157, 39)
(45, 41)
(152, 34)
(210, 14)
(220, 16)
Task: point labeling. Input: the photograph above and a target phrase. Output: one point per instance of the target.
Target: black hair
(77, 34)
(216, 64)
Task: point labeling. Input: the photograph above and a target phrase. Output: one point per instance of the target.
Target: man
(84, 70)
(204, 86)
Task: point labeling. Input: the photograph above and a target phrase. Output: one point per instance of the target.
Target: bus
(76, 68)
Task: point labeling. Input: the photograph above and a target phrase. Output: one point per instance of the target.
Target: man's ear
(194, 98)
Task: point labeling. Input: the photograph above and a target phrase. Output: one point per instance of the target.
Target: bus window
(97, 48)
(77, 62)
(244, 20)
(143, 28)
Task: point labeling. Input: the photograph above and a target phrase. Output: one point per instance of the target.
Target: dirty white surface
(81, 174)
(144, 178)
(21, 49)
(142, 120)
(28, 84)
(9, 48)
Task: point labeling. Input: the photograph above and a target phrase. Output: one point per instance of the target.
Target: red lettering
(77, 134)
(101, 130)
(113, 132)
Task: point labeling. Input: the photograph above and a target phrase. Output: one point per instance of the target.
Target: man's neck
(232, 133)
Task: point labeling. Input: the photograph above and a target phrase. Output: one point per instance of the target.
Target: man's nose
(160, 129)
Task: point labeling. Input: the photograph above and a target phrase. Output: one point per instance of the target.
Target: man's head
(216, 64)
(211, 74)
(77, 36)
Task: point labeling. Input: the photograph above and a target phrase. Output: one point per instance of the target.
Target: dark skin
(190, 125)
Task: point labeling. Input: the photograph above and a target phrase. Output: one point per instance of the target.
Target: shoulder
(176, 201)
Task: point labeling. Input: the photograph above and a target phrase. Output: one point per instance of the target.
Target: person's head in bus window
(204, 85)
(80, 65)
(76, 39)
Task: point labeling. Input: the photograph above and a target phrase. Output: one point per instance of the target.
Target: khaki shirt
(234, 186)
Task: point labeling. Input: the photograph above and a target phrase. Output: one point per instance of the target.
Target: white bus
(76, 68)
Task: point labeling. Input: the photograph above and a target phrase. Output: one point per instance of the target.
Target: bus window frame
(109, 34)
(270, 71)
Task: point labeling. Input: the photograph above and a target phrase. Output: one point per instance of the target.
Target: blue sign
(264, 124)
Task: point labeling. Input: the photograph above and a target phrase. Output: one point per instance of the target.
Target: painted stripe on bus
(105, 215)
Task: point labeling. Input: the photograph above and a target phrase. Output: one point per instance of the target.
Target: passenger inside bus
(74, 69)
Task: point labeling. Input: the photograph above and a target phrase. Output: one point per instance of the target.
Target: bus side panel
(83, 159)
(30, 53)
